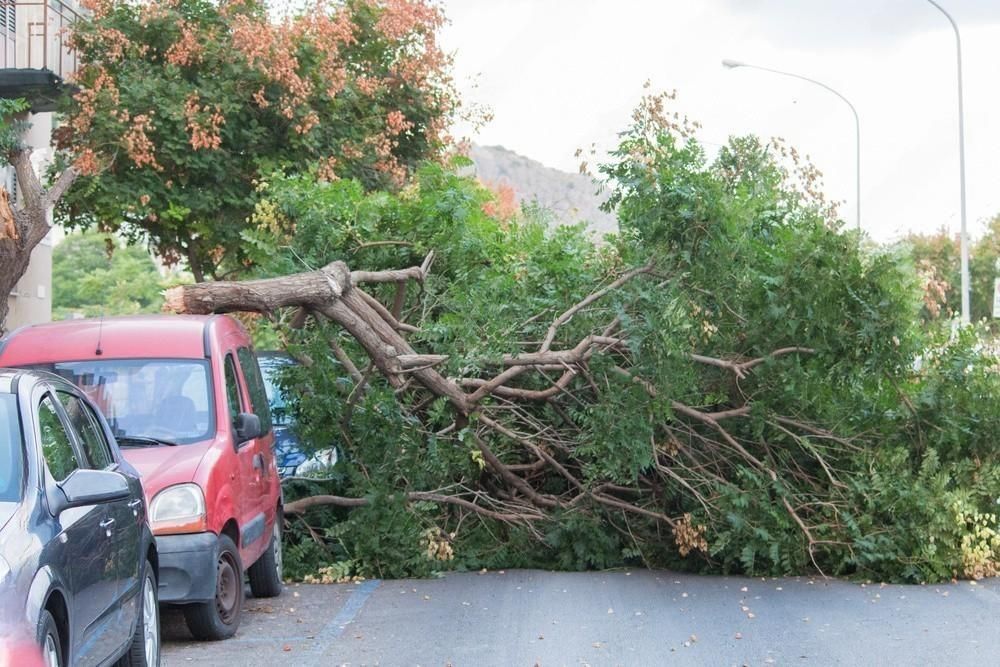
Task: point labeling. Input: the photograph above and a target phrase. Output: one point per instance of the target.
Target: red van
(185, 399)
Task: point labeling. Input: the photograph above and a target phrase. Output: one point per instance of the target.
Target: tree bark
(332, 292)
(13, 264)
(24, 228)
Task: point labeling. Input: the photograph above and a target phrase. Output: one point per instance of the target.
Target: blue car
(292, 461)
(78, 563)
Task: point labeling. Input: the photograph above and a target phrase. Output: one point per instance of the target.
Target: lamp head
(732, 64)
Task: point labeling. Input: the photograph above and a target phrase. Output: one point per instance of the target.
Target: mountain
(571, 197)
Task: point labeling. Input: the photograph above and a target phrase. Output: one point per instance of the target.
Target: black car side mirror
(247, 427)
(91, 487)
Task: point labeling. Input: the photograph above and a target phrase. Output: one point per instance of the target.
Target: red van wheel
(227, 592)
(220, 617)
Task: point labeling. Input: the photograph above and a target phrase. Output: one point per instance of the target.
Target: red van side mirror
(247, 427)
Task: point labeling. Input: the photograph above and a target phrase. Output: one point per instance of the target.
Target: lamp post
(961, 168)
(733, 64)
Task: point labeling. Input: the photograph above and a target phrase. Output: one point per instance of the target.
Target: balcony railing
(33, 35)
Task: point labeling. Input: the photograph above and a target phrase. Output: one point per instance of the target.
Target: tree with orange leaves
(185, 106)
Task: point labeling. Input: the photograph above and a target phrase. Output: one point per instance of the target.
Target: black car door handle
(106, 525)
(134, 506)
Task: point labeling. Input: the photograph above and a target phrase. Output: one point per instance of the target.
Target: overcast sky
(563, 74)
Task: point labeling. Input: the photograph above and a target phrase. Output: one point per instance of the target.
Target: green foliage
(10, 129)
(867, 450)
(938, 259)
(95, 274)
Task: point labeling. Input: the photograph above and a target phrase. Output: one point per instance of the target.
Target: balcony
(35, 58)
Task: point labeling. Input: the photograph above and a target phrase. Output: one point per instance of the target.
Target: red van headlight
(178, 509)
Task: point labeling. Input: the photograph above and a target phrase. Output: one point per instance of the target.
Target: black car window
(232, 388)
(56, 445)
(11, 463)
(85, 422)
(255, 384)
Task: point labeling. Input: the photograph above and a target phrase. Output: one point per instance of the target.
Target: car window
(56, 446)
(255, 385)
(11, 463)
(95, 445)
(232, 388)
(270, 370)
(162, 398)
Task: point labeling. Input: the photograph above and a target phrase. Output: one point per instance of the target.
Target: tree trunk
(24, 228)
(194, 263)
(330, 292)
(12, 266)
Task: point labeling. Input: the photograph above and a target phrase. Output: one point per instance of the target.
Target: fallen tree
(729, 384)
(498, 405)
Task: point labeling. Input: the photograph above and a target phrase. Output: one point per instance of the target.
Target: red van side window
(232, 388)
(255, 386)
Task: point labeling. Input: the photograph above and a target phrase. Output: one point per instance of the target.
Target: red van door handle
(258, 462)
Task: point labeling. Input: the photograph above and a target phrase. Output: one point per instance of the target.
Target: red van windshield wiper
(143, 441)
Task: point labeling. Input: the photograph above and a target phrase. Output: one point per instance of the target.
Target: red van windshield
(164, 399)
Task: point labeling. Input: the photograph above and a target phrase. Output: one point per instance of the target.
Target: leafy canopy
(183, 104)
(937, 259)
(746, 263)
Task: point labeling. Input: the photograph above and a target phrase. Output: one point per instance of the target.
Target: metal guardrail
(33, 35)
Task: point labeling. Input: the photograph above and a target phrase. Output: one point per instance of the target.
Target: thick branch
(411, 361)
(485, 387)
(550, 335)
(557, 388)
(393, 276)
(635, 509)
(493, 462)
(62, 184)
(386, 315)
(341, 355)
(550, 357)
(740, 368)
(27, 180)
(298, 507)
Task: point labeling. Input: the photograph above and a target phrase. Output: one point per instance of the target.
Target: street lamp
(733, 64)
(961, 168)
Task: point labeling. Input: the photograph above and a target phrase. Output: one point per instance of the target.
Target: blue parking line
(347, 613)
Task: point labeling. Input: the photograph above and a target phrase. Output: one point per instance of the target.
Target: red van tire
(219, 618)
(266, 574)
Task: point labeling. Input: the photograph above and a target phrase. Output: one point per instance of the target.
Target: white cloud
(561, 75)
(876, 24)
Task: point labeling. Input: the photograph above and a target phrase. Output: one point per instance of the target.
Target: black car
(77, 558)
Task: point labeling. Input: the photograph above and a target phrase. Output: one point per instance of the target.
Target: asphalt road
(639, 617)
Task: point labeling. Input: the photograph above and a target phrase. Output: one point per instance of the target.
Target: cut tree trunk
(332, 292)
